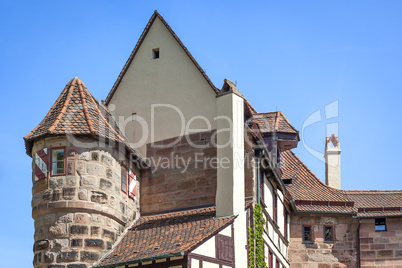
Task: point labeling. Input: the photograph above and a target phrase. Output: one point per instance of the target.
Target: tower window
(155, 53)
(380, 224)
(58, 161)
(123, 178)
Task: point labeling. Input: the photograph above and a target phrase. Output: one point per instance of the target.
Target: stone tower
(84, 181)
(333, 162)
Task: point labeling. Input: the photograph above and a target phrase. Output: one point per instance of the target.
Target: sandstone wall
(320, 254)
(183, 174)
(79, 216)
(383, 248)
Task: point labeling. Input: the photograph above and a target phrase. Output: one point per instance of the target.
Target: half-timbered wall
(217, 252)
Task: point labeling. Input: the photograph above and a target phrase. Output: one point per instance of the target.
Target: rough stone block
(82, 194)
(70, 167)
(108, 234)
(77, 229)
(58, 230)
(48, 257)
(99, 197)
(107, 160)
(67, 218)
(56, 266)
(68, 193)
(60, 243)
(80, 167)
(71, 181)
(81, 218)
(109, 245)
(95, 156)
(95, 231)
(89, 256)
(41, 244)
(88, 181)
(105, 184)
(67, 256)
(94, 243)
(109, 173)
(76, 242)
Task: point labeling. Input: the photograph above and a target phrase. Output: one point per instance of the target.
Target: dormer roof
(273, 122)
(77, 112)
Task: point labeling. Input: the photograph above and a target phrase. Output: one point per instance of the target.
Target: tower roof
(77, 112)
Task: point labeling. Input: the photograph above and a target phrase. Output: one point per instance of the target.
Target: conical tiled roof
(77, 112)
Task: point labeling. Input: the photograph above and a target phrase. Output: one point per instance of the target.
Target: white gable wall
(171, 79)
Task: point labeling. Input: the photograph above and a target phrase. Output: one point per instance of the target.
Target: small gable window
(123, 178)
(380, 224)
(155, 53)
(328, 233)
(307, 234)
(58, 161)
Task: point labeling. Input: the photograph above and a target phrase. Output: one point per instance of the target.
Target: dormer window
(155, 53)
(58, 161)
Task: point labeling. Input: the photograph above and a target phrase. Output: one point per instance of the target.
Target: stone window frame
(121, 178)
(332, 240)
(51, 161)
(311, 234)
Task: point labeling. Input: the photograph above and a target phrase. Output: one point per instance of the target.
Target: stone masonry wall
(319, 254)
(383, 248)
(182, 174)
(79, 216)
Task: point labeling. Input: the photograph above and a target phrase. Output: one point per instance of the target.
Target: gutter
(177, 254)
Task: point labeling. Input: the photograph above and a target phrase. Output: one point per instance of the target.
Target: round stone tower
(84, 181)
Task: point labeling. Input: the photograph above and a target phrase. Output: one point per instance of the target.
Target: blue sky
(293, 56)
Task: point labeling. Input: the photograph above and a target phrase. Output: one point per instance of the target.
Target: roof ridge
(84, 104)
(63, 110)
(138, 44)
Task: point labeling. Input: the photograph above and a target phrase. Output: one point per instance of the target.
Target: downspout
(358, 243)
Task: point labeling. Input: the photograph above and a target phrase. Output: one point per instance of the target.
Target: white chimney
(333, 162)
(230, 152)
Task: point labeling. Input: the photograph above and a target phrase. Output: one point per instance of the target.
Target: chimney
(333, 162)
(230, 151)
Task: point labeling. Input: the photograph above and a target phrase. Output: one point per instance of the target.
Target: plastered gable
(172, 79)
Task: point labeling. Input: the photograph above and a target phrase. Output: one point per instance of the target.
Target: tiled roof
(377, 203)
(312, 195)
(273, 122)
(77, 112)
(307, 187)
(161, 236)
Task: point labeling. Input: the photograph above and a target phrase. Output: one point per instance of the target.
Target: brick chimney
(230, 151)
(332, 162)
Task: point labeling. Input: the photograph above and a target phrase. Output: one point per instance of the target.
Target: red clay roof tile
(159, 236)
(273, 122)
(77, 112)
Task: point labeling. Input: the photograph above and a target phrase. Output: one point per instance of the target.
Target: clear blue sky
(294, 56)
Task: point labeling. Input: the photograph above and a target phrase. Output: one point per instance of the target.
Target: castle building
(171, 171)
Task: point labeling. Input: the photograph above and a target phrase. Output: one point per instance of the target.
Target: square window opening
(155, 53)
(380, 224)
